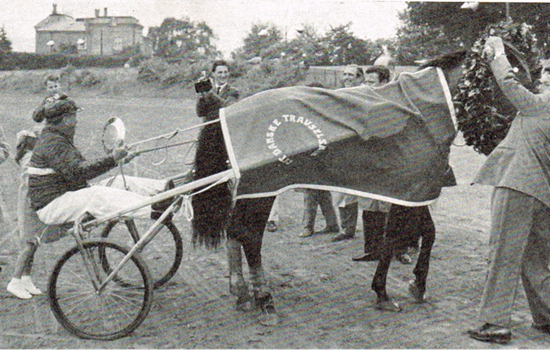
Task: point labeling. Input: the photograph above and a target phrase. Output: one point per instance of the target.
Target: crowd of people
(54, 190)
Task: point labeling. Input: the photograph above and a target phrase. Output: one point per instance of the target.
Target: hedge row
(31, 61)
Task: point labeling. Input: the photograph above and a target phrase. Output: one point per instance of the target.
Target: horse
(246, 220)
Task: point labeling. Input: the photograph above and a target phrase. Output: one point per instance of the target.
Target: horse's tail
(211, 208)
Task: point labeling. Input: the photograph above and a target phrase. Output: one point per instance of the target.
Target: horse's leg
(386, 251)
(425, 225)
(237, 284)
(257, 216)
(235, 231)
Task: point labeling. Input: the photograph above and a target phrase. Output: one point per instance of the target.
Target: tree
(464, 26)
(420, 41)
(5, 43)
(343, 47)
(259, 40)
(179, 40)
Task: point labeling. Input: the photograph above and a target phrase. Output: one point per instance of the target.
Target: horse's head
(451, 64)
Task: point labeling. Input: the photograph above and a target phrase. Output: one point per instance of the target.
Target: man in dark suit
(519, 171)
(220, 73)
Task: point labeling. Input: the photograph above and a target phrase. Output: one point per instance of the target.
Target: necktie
(218, 90)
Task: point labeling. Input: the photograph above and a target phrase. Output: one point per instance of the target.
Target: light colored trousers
(100, 200)
(274, 214)
(519, 245)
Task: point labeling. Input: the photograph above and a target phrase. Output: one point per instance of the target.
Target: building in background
(100, 35)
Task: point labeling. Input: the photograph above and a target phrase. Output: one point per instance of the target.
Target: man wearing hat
(519, 171)
(58, 173)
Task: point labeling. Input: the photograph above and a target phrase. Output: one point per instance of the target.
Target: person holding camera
(215, 93)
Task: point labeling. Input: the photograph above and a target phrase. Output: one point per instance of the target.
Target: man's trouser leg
(310, 210)
(374, 223)
(324, 198)
(511, 222)
(348, 218)
(535, 274)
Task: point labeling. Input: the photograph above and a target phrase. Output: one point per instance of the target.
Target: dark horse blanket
(390, 143)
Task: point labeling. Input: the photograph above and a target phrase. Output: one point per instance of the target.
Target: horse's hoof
(245, 303)
(268, 316)
(388, 305)
(268, 319)
(416, 292)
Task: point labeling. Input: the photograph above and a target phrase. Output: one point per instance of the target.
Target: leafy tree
(341, 47)
(5, 43)
(420, 41)
(259, 41)
(464, 26)
(179, 40)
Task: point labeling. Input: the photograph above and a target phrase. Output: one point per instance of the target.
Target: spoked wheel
(163, 253)
(107, 314)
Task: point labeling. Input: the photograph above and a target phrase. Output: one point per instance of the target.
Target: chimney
(54, 12)
(97, 12)
(105, 12)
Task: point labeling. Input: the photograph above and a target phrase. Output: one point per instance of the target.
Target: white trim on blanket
(341, 190)
(448, 96)
(230, 150)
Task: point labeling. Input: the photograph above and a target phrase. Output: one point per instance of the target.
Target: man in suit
(519, 170)
(352, 76)
(220, 73)
(249, 216)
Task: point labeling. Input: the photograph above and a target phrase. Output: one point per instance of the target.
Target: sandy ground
(323, 298)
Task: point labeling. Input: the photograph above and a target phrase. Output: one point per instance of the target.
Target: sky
(231, 20)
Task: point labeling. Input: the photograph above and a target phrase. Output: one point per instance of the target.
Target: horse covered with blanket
(390, 143)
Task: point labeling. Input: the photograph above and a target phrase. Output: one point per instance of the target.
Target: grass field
(324, 299)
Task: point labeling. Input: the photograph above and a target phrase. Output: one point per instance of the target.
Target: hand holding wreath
(484, 114)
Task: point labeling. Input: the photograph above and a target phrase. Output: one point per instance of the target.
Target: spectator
(323, 199)
(352, 76)
(375, 213)
(29, 225)
(519, 170)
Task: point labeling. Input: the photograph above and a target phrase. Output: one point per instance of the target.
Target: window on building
(81, 44)
(117, 46)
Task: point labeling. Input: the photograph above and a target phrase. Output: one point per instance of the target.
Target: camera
(204, 84)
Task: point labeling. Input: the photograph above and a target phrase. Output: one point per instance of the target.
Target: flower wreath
(484, 114)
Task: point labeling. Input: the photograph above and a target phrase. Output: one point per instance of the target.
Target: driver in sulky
(58, 173)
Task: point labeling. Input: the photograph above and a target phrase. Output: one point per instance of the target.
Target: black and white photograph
(274, 174)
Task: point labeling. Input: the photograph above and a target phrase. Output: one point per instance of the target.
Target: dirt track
(324, 299)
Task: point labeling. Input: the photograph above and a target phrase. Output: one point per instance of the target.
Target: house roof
(64, 23)
(69, 25)
(119, 20)
(53, 18)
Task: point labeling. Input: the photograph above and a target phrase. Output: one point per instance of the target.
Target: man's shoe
(17, 288)
(491, 333)
(329, 229)
(341, 237)
(29, 286)
(542, 327)
(404, 259)
(306, 233)
(271, 226)
(365, 257)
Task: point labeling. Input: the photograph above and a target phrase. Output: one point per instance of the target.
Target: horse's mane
(446, 61)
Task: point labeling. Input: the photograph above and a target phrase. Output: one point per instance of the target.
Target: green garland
(484, 114)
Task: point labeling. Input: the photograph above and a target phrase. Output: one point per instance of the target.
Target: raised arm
(528, 103)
